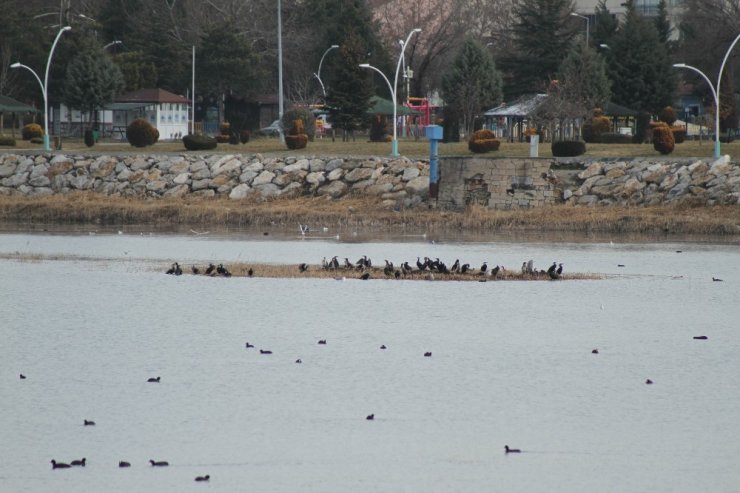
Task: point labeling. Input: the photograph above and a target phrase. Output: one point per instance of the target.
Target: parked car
(272, 130)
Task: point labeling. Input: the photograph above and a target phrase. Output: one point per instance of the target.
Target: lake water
(511, 364)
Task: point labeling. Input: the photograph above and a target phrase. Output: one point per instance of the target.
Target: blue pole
(434, 134)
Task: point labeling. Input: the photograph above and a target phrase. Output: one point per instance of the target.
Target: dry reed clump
(318, 272)
(366, 212)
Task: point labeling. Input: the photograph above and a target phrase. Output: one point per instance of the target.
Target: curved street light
(393, 89)
(318, 74)
(588, 23)
(45, 85)
(715, 91)
(113, 43)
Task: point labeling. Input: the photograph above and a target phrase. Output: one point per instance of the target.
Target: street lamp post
(318, 74)
(588, 23)
(280, 69)
(45, 85)
(715, 92)
(393, 89)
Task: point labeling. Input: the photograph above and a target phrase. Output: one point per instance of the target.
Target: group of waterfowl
(121, 464)
(431, 266)
(212, 270)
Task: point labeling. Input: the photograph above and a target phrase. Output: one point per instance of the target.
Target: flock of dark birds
(431, 266)
(211, 270)
(364, 267)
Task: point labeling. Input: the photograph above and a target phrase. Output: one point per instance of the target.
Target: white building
(167, 112)
(648, 8)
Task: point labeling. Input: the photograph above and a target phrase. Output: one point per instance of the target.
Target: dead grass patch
(365, 212)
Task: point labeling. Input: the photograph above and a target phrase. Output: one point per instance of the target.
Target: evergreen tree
(338, 20)
(92, 80)
(639, 66)
(662, 23)
(348, 98)
(583, 80)
(605, 25)
(137, 72)
(543, 30)
(472, 84)
(225, 63)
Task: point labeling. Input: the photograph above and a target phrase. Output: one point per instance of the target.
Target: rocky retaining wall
(397, 181)
(496, 183)
(511, 183)
(654, 182)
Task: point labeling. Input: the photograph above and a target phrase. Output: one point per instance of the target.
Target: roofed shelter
(10, 105)
(508, 120)
(622, 117)
(167, 112)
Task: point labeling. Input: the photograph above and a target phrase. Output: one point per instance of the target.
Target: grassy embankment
(88, 208)
(409, 148)
(366, 213)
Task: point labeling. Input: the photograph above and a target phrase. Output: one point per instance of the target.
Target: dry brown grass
(215, 214)
(410, 148)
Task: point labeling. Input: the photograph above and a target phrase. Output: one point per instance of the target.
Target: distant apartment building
(648, 8)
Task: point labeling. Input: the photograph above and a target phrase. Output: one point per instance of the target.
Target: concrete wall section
(496, 183)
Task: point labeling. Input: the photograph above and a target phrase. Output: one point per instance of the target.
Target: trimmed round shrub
(303, 114)
(7, 141)
(668, 115)
(483, 141)
(297, 137)
(568, 148)
(679, 134)
(615, 138)
(225, 128)
(244, 136)
(194, 142)
(89, 138)
(31, 131)
(663, 141)
(139, 133)
(296, 141)
(155, 135)
(593, 130)
(378, 129)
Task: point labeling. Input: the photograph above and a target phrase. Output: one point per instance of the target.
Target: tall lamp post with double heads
(588, 23)
(45, 85)
(393, 89)
(318, 74)
(715, 91)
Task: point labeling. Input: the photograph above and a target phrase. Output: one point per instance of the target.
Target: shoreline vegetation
(86, 208)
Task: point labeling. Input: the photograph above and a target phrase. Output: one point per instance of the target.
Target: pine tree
(348, 98)
(662, 23)
(583, 80)
(639, 66)
(338, 19)
(92, 80)
(473, 84)
(543, 30)
(605, 25)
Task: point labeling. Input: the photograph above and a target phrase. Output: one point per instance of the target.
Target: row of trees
(236, 45)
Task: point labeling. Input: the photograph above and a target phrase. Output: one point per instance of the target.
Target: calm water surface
(511, 364)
